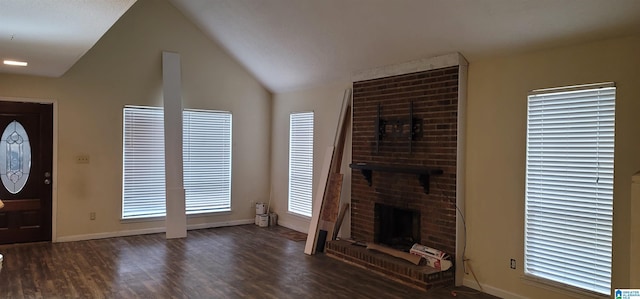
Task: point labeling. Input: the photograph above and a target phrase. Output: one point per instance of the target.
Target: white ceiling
(295, 44)
(51, 35)
(292, 44)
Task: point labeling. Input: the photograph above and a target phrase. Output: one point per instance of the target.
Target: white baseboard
(491, 290)
(294, 226)
(221, 224)
(145, 231)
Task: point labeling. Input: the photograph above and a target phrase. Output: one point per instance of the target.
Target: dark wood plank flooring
(232, 262)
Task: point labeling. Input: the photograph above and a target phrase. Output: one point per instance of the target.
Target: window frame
(222, 195)
(300, 163)
(157, 176)
(561, 174)
(150, 149)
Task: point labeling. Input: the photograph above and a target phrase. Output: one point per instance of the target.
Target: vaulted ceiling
(295, 44)
(52, 35)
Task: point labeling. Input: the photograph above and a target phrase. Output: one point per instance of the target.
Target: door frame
(54, 176)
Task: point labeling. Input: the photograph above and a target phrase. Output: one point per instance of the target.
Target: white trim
(303, 217)
(54, 186)
(300, 164)
(460, 172)
(221, 224)
(125, 233)
(141, 219)
(491, 290)
(293, 225)
(572, 88)
(570, 134)
(413, 66)
(176, 216)
(54, 175)
(312, 234)
(560, 288)
(145, 231)
(634, 238)
(162, 218)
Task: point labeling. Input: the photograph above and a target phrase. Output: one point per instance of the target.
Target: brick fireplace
(434, 94)
(406, 154)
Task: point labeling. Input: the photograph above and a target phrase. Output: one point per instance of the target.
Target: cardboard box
(434, 258)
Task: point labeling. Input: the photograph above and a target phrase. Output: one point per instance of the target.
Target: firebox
(396, 227)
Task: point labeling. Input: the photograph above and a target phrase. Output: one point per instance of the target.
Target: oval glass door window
(15, 157)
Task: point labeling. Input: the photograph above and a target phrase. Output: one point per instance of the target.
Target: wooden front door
(26, 146)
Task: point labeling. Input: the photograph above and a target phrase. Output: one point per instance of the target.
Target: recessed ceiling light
(14, 62)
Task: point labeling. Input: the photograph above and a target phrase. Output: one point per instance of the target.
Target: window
(569, 186)
(207, 161)
(206, 157)
(143, 163)
(15, 157)
(300, 163)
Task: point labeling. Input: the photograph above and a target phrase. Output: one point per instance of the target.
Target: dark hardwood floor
(232, 262)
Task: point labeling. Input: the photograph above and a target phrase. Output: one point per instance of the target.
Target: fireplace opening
(396, 227)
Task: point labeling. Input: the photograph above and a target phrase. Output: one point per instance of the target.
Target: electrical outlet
(92, 216)
(513, 264)
(82, 159)
(252, 205)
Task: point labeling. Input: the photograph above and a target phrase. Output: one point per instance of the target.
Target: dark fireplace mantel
(423, 173)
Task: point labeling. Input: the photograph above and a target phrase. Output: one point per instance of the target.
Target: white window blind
(300, 163)
(569, 186)
(143, 163)
(206, 157)
(207, 161)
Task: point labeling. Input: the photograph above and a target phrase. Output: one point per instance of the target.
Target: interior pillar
(176, 219)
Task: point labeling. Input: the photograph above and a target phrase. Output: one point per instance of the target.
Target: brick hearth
(422, 277)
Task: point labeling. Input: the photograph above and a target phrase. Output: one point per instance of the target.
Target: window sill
(560, 287)
(142, 219)
(200, 215)
(162, 218)
(302, 217)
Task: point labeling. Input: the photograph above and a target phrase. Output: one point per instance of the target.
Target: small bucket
(273, 219)
(261, 208)
(264, 220)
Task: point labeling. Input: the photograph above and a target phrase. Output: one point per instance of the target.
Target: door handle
(47, 178)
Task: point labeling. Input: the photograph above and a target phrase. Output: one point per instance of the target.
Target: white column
(463, 68)
(176, 220)
(634, 238)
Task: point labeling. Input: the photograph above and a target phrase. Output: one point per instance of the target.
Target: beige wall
(495, 153)
(124, 68)
(326, 103)
(496, 136)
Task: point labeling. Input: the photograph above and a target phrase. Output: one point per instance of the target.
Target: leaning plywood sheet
(341, 131)
(310, 246)
(331, 205)
(321, 229)
(336, 229)
(331, 201)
